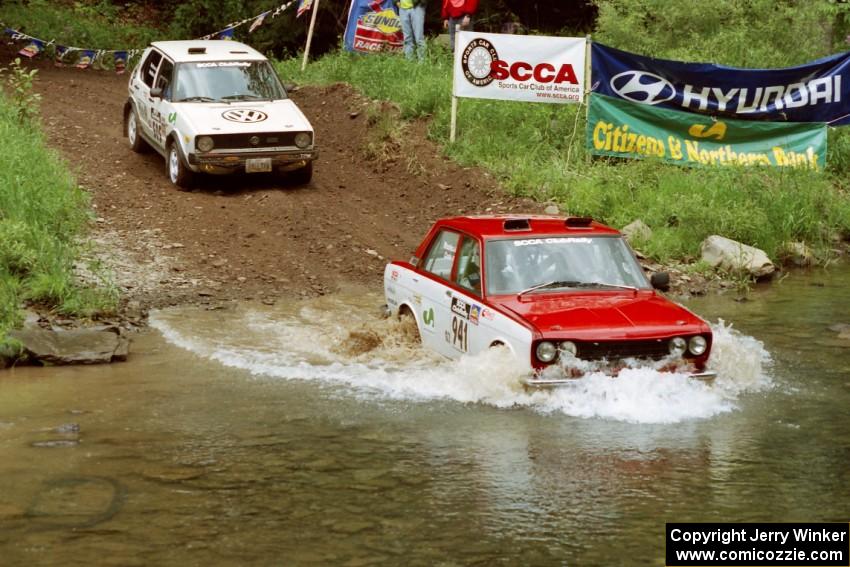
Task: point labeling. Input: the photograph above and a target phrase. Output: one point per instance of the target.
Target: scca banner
(626, 129)
(373, 26)
(814, 92)
(519, 67)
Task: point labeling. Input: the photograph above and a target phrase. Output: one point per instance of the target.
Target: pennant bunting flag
(258, 21)
(59, 55)
(225, 34)
(33, 48)
(86, 59)
(303, 6)
(120, 60)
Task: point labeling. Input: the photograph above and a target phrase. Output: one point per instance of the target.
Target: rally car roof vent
(578, 222)
(239, 52)
(197, 50)
(517, 224)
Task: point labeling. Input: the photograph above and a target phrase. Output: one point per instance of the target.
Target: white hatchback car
(216, 107)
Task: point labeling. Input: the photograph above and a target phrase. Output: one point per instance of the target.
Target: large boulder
(76, 346)
(637, 230)
(735, 257)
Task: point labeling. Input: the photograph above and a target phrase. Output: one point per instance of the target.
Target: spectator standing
(412, 15)
(457, 11)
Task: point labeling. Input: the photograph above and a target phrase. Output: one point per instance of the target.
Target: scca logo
(643, 87)
(476, 61)
(542, 73)
(481, 66)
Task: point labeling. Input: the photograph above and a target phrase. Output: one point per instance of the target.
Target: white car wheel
(137, 144)
(178, 173)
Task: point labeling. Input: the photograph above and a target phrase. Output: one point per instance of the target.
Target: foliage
(20, 92)
(90, 25)
(43, 216)
(755, 33)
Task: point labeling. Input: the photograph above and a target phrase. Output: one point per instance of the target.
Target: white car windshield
(559, 263)
(222, 81)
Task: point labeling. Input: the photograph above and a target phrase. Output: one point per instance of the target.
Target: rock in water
(735, 257)
(77, 346)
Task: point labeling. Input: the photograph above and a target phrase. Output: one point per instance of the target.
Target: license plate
(258, 165)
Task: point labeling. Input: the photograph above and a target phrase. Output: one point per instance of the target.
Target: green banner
(627, 129)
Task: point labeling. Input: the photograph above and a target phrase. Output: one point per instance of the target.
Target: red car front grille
(655, 349)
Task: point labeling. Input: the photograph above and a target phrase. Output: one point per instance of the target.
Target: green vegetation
(43, 216)
(537, 150)
(87, 25)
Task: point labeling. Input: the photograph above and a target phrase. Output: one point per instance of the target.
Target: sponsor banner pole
(588, 85)
(453, 133)
(310, 34)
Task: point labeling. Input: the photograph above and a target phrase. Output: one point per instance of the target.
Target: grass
(87, 25)
(43, 218)
(537, 150)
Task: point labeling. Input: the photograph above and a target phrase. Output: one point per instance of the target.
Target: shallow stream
(319, 434)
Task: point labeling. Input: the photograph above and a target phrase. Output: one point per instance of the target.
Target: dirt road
(242, 237)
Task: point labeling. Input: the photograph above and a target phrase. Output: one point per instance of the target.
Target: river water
(318, 434)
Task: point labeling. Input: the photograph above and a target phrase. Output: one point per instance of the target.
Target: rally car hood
(597, 315)
(209, 118)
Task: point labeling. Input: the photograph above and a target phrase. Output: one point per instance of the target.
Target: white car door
(142, 90)
(161, 110)
(468, 331)
(436, 316)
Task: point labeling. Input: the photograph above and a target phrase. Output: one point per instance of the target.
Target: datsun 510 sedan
(565, 295)
(216, 107)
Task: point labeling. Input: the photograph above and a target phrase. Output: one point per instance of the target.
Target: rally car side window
(441, 256)
(150, 66)
(164, 78)
(468, 274)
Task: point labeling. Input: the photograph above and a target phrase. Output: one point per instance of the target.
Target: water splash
(341, 341)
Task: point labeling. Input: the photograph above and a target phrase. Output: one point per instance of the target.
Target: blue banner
(814, 92)
(373, 26)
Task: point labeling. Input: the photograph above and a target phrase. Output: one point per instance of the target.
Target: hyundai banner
(519, 67)
(814, 92)
(373, 26)
(624, 129)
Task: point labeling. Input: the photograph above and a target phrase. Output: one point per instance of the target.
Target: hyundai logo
(643, 87)
(244, 115)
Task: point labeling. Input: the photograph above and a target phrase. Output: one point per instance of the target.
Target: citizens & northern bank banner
(619, 128)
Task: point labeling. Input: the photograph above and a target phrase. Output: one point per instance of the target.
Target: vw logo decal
(244, 115)
(643, 87)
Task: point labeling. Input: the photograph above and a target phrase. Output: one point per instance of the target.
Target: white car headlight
(569, 347)
(697, 345)
(678, 346)
(546, 351)
(303, 140)
(205, 143)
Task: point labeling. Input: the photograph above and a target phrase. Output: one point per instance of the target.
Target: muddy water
(298, 435)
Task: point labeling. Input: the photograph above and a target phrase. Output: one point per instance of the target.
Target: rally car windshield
(559, 263)
(226, 81)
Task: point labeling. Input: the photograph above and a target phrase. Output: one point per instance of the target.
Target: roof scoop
(578, 222)
(516, 225)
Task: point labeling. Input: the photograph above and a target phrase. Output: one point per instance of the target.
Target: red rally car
(565, 295)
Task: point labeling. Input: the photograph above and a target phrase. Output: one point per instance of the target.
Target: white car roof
(214, 50)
